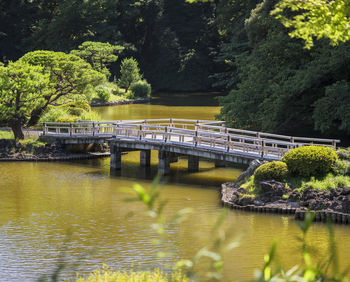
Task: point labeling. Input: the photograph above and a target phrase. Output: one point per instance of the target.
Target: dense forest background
(274, 83)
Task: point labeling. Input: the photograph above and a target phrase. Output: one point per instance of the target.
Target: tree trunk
(16, 127)
(35, 116)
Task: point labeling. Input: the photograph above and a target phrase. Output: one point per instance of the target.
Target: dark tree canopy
(274, 82)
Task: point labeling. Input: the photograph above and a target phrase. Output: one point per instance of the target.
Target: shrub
(90, 115)
(6, 135)
(275, 170)
(103, 94)
(141, 88)
(129, 73)
(53, 114)
(67, 118)
(344, 154)
(310, 160)
(341, 167)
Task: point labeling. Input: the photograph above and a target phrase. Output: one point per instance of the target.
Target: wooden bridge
(177, 137)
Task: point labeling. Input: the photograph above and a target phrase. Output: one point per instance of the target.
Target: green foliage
(344, 154)
(141, 89)
(99, 55)
(69, 74)
(274, 170)
(326, 269)
(69, 77)
(103, 94)
(325, 183)
(292, 91)
(341, 167)
(23, 88)
(129, 73)
(69, 113)
(107, 275)
(32, 142)
(90, 115)
(6, 135)
(337, 102)
(316, 19)
(310, 160)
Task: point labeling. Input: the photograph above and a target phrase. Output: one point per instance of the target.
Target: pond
(78, 209)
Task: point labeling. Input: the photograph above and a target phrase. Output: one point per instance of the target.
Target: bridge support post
(116, 158)
(163, 163)
(145, 158)
(193, 163)
(220, 163)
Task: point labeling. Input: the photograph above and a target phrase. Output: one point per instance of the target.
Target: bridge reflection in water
(179, 137)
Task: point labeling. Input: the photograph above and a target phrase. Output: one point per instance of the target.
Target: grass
(106, 275)
(32, 142)
(327, 182)
(6, 135)
(250, 187)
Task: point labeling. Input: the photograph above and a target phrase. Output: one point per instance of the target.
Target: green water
(40, 203)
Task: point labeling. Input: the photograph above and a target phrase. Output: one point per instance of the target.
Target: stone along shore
(276, 198)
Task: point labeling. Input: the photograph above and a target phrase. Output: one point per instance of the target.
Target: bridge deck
(212, 136)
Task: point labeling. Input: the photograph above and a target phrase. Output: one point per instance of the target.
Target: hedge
(275, 170)
(310, 160)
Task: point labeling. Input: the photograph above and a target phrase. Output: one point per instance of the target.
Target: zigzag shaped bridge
(179, 137)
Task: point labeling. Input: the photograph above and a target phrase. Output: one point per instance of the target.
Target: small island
(309, 178)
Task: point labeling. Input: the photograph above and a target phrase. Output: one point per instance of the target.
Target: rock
(345, 191)
(271, 185)
(294, 196)
(293, 205)
(245, 200)
(258, 202)
(250, 170)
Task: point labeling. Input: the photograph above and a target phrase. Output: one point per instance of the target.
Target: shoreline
(330, 205)
(121, 102)
(285, 209)
(70, 157)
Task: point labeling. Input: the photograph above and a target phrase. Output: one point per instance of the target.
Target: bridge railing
(197, 133)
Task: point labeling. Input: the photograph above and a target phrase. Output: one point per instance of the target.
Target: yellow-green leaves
(22, 89)
(315, 19)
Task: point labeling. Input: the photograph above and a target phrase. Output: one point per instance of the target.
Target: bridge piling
(193, 163)
(220, 163)
(163, 162)
(145, 158)
(116, 158)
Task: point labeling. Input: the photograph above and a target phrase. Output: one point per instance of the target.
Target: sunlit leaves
(315, 19)
(22, 89)
(98, 54)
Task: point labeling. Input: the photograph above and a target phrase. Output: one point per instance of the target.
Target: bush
(341, 167)
(6, 135)
(344, 154)
(310, 160)
(103, 94)
(275, 170)
(141, 89)
(53, 114)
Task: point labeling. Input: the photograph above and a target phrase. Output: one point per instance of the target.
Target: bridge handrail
(192, 133)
